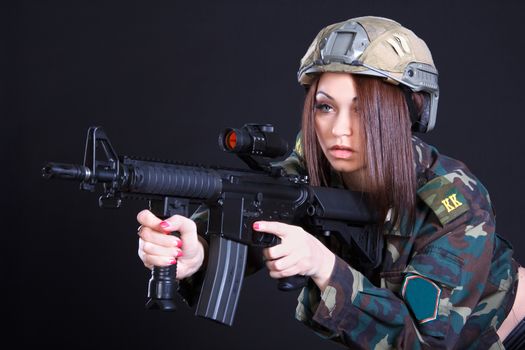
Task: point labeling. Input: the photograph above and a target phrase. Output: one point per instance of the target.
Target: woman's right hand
(158, 248)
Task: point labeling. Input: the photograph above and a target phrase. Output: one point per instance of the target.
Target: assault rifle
(236, 198)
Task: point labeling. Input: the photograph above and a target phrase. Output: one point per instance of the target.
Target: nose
(342, 124)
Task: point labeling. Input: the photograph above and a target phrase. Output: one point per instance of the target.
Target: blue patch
(422, 297)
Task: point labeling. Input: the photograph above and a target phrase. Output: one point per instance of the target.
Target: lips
(341, 147)
(341, 152)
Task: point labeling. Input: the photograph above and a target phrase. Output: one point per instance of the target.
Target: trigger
(265, 239)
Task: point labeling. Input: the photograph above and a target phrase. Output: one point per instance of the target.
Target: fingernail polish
(179, 244)
(173, 262)
(179, 254)
(164, 224)
(256, 225)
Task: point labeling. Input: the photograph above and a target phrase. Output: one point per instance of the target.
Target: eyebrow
(324, 93)
(330, 97)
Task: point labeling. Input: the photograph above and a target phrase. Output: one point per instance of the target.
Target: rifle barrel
(66, 171)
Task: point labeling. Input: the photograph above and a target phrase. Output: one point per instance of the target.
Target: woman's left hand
(299, 253)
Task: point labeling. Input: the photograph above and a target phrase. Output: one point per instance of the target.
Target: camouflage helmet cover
(379, 47)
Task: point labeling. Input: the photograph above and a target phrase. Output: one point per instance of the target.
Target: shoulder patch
(444, 198)
(422, 297)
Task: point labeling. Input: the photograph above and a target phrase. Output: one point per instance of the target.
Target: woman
(446, 279)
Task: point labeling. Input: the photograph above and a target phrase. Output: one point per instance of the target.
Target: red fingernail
(164, 224)
(256, 225)
(173, 262)
(179, 254)
(179, 244)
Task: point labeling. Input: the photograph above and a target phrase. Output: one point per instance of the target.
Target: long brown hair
(389, 178)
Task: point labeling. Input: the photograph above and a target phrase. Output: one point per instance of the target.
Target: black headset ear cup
(413, 110)
(420, 121)
(424, 118)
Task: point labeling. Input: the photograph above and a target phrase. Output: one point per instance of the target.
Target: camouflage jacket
(449, 284)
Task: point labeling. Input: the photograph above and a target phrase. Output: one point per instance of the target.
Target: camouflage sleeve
(441, 286)
(294, 164)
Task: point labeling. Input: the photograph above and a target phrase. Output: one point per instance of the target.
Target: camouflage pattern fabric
(453, 247)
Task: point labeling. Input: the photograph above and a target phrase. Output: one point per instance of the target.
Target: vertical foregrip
(223, 281)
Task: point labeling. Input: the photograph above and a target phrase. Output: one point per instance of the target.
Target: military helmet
(379, 47)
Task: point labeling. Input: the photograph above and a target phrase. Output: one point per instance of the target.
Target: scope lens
(231, 140)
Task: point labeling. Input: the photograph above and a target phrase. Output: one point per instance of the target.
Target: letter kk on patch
(444, 198)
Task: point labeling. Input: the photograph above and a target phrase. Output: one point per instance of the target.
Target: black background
(163, 78)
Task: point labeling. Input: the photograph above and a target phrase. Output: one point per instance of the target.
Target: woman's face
(337, 122)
